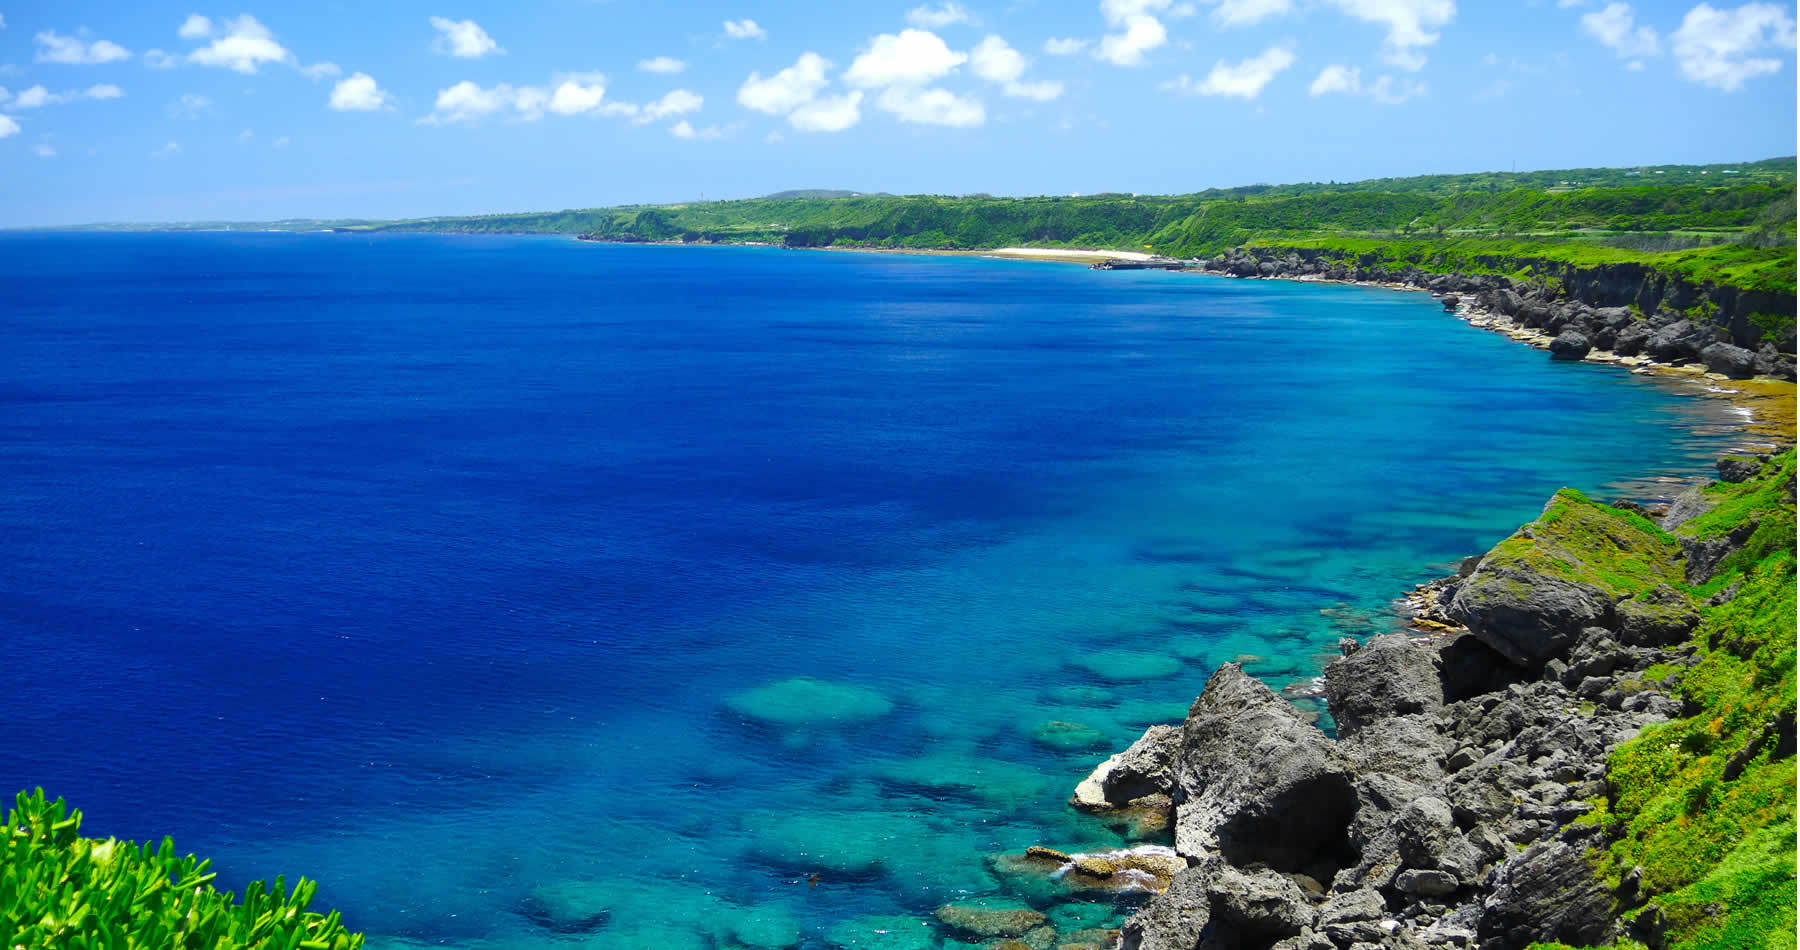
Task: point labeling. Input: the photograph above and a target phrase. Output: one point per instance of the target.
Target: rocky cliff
(1627, 308)
(1490, 788)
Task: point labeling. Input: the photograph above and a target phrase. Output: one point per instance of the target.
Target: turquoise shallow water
(447, 571)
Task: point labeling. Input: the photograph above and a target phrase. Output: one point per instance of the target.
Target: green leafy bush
(58, 889)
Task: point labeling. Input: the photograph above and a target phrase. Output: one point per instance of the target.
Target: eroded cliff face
(1559, 294)
(1456, 806)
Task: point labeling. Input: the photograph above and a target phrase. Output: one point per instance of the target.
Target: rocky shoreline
(1448, 809)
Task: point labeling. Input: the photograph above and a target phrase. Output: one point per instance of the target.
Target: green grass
(60, 890)
(1615, 551)
(1718, 855)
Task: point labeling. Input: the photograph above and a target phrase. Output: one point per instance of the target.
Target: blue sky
(264, 109)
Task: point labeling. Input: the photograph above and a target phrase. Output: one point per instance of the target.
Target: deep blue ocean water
(440, 569)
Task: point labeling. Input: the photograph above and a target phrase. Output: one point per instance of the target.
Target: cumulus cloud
(1614, 28)
(172, 148)
(1138, 30)
(1348, 81)
(1714, 47)
(8, 126)
(574, 94)
(73, 51)
(1410, 25)
(319, 71)
(462, 38)
(997, 62)
(931, 106)
(241, 45)
(830, 114)
(745, 29)
(195, 27)
(685, 130)
(788, 89)
(911, 57)
(157, 59)
(358, 93)
(38, 96)
(937, 17)
(43, 151)
(1247, 12)
(246, 137)
(1064, 47)
(676, 102)
(189, 106)
(1244, 80)
(661, 64)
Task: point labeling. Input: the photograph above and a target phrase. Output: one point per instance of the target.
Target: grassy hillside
(1701, 810)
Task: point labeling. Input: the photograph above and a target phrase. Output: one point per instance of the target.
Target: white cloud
(466, 102)
(1714, 46)
(745, 29)
(195, 27)
(1141, 34)
(2, 21)
(911, 57)
(1245, 79)
(1064, 47)
(38, 96)
(661, 64)
(157, 59)
(8, 126)
(830, 114)
(44, 151)
(168, 150)
(1348, 81)
(574, 96)
(992, 59)
(931, 106)
(786, 90)
(676, 102)
(71, 50)
(462, 38)
(1614, 28)
(1410, 25)
(319, 71)
(189, 106)
(359, 93)
(938, 17)
(244, 44)
(281, 142)
(685, 130)
(1247, 12)
(245, 137)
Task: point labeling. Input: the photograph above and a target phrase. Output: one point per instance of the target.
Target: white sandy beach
(1067, 254)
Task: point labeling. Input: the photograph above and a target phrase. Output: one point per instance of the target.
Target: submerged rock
(984, 920)
(882, 933)
(569, 907)
(1126, 666)
(803, 701)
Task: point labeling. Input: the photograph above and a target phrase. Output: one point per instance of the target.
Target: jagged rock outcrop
(1444, 812)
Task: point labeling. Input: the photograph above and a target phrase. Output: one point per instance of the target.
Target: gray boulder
(1525, 615)
(1569, 346)
(1549, 893)
(1681, 340)
(1258, 783)
(1661, 616)
(1738, 468)
(1145, 768)
(1631, 339)
(1690, 504)
(1259, 907)
(1614, 318)
(1387, 677)
(1177, 919)
(1733, 361)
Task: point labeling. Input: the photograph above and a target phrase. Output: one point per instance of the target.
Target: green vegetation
(58, 889)
(1705, 805)
(1615, 551)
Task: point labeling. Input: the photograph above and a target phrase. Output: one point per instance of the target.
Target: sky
(269, 109)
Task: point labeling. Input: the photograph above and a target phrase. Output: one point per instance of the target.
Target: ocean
(532, 593)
